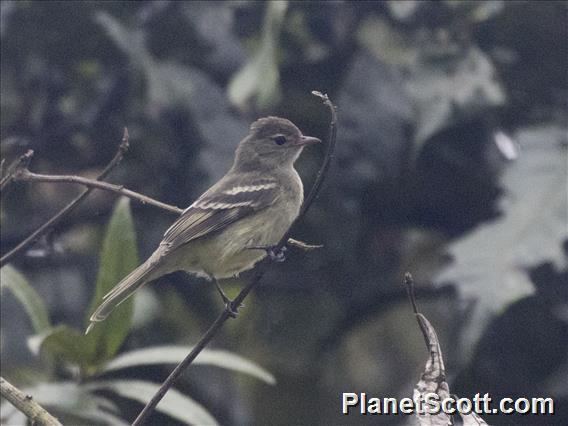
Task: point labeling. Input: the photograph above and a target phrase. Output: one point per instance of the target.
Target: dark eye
(279, 140)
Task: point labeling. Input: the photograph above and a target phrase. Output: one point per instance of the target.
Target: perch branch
(25, 403)
(23, 163)
(18, 171)
(258, 272)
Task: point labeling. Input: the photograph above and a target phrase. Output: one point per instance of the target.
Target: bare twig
(409, 284)
(27, 176)
(302, 245)
(123, 147)
(257, 273)
(22, 161)
(25, 403)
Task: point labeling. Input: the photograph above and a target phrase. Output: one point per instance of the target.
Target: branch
(26, 176)
(123, 147)
(25, 403)
(302, 245)
(23, 161)
(258, 272)
(409, 284)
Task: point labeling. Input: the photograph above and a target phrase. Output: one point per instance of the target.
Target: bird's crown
(272, 125)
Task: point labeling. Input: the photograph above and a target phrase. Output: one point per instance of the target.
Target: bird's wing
(219, 207)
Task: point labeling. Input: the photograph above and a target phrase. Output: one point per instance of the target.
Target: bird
(230, 227)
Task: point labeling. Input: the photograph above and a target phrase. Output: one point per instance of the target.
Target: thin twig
(302, 245)
(123, 147)
(25, 403)
(408, 282)
(22, 161)
(258, 272)
(27, 176)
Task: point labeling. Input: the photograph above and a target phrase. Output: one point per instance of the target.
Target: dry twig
(19, 171)
(27, 176)
(22, 161)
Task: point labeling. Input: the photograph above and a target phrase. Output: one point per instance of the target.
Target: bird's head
(272, 142)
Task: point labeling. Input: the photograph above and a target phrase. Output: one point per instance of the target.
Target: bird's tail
(124, 289)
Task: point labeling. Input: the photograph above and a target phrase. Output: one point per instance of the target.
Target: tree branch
(26, 176)
(18, 171)
(257, 274)
(23, 163)
(302, 245)
(25, 403)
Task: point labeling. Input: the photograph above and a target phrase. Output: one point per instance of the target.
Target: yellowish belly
(225, 254)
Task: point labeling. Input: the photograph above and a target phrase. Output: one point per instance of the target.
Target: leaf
(376, 113)
(445, 81)
(174, 403)
(175, 354)
(490, 266)
(73, 402)
(167, 83)
(472, 419)
(259, 80)
(118, 258)
(459, 86)
(10, 415)
(11, 279)
(403, 10)
(218, 124)
(65, 343)
(433, 381)
(213, 24)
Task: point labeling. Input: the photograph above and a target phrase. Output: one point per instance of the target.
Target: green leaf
(65, 343)
(118, 258)
(259, 79)
(16, 283)
(174, 403)
(175, 354)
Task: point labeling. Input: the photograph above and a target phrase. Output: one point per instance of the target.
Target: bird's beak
(307, 140)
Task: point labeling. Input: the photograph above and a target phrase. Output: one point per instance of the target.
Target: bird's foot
(232, 312)
(229, 309)
(275, 253)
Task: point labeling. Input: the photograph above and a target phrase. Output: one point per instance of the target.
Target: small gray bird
(251, 206)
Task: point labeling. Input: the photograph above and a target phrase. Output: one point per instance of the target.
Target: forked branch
(18, 171)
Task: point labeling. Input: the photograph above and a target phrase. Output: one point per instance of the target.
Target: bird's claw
(229, 309)
(275, 253)
(232, 312)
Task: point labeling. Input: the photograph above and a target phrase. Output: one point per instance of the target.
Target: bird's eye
(279, 140)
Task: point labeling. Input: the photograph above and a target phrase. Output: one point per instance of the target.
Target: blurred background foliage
(451, 164)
